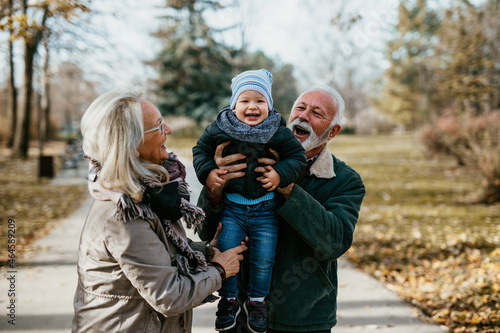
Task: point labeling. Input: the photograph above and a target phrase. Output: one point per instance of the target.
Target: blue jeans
(260, 223)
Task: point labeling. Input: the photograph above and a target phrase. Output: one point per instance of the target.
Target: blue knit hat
(258, 80)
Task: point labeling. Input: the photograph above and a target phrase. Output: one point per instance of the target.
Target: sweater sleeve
(212, 216)
(203, 154)
(146, 263)
(292, 158)
(327, 227)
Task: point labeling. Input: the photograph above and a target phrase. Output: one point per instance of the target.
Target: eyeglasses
(161, 127)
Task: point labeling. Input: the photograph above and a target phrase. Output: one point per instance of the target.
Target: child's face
(251, 108)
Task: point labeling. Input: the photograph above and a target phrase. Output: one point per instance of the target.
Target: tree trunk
(12, 85)
(13, 95)
(45, 99)
(22, 135)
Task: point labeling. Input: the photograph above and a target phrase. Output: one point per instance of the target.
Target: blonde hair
(112, 129)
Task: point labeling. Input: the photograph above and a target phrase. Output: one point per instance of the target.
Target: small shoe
(227, 311)
(256, 316)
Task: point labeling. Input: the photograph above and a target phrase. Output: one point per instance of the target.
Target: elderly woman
(137, 271)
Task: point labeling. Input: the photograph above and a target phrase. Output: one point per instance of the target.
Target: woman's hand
(214, 242)
(225, 172)
(230, 259)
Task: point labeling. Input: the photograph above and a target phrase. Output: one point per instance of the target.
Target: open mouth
(252, 115)
(300, 130)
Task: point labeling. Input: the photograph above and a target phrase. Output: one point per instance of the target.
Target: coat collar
(323, 167)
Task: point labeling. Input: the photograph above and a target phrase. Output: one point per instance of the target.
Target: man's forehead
(319, 99)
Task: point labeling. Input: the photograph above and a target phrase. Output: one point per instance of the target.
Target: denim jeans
(260, 223)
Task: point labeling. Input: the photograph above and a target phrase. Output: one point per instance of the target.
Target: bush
(474, 141)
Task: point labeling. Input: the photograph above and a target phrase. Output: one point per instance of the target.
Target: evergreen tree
(194, 69)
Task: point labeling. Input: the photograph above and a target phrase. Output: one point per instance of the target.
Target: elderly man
(318, 213)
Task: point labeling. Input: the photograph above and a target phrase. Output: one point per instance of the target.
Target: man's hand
(286, 191)
(269, 161)
(218, 178)
(222, 162)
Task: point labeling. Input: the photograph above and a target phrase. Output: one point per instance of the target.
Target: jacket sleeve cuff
(213, 200)
(220, 269)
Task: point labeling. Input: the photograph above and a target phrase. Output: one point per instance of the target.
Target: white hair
(112, 129)
(339, 115)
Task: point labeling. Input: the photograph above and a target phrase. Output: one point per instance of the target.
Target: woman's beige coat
(126, 280)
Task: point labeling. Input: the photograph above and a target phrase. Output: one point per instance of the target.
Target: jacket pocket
(153, 324)
(302, 294)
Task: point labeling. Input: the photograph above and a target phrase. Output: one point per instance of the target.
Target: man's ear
(334, 131)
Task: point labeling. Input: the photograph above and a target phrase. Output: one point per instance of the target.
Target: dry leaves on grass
(35, 207)
(461, 291)
(419, 232)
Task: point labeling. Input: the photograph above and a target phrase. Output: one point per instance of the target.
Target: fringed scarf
(169, 202)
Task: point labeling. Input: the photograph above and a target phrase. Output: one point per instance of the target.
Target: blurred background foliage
(432, 74)
(195, 70)
(444, 78)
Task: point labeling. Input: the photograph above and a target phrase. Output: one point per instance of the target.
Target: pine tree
(194, 69)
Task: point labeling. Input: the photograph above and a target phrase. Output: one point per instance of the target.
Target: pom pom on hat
(257, 80)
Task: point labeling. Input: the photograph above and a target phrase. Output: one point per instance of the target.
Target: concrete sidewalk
(46, 283)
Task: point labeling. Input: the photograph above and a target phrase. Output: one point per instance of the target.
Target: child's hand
(270, 179)
(215, 182)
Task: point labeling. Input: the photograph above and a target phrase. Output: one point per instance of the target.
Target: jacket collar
(323, 167)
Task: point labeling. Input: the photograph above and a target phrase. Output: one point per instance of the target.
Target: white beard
(312, 141)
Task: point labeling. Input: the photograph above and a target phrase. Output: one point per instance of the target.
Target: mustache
(304, 125)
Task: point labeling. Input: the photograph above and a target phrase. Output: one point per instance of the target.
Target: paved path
(45, 285)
